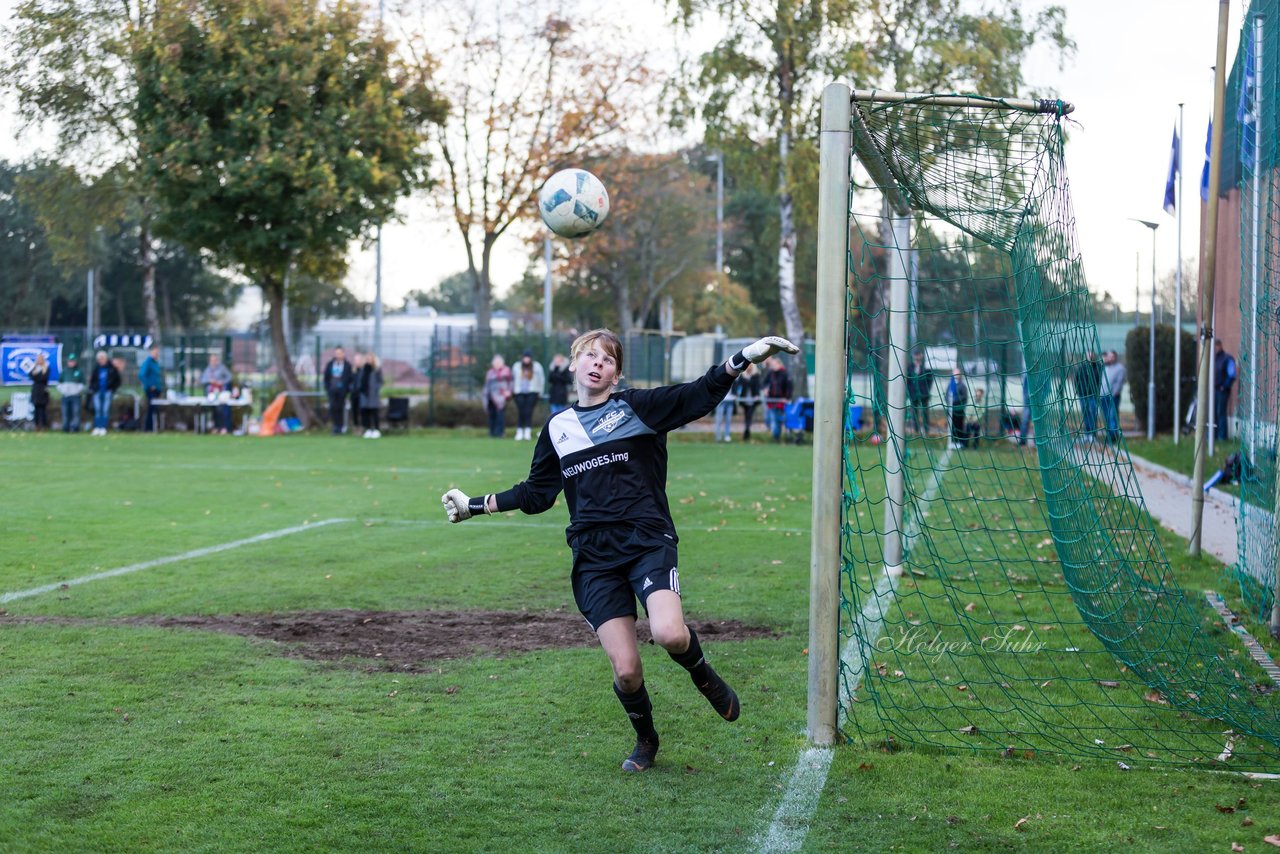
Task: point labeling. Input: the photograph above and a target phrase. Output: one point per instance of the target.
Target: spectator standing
(724, 415)
(559, 381)
(356, 419)
(71, 386)
(39, 376)
(1024, 429)
(497, 391)
(919, 390)
(1115, 373)
(529, 382)
(1224, 377)
(337, 385)
(370, 386)
(151, 377)
(104, 379)
(958, 401)
(746, 388)
(777, 391)
(1088, 382)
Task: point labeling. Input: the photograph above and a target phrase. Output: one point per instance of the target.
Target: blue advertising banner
(18, 357)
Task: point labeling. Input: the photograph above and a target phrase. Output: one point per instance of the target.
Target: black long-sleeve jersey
(611, 459)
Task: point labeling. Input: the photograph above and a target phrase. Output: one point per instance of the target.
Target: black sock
(693, 660)
(640, 710)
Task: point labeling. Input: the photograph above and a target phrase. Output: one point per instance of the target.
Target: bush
(1137, 347)
(448, 411)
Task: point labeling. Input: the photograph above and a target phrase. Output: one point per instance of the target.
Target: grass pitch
(126, 737)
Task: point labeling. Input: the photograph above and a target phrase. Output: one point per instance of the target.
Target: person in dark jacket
(356, 418)
(559, 381)
(919, 389)
(369, 385)
(777, 393)
(151, 378)
(608, 454)
(958, 403)
(39, 376)
(71, 386)
(746, 388)
(1224, 377)
(337, 384)
(1088, 381)
(104, 379)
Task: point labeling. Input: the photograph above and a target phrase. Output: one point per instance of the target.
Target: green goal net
(1002, 586)
(1252, 145)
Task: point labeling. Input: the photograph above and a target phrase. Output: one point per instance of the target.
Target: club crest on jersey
(610, 422)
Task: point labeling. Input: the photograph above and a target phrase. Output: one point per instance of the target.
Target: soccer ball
(573, 203)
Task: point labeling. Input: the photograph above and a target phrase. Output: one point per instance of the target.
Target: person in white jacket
(529, 383)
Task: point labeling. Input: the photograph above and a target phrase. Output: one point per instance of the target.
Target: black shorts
(614, 566)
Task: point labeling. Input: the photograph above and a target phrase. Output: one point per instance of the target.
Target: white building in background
(405, 337)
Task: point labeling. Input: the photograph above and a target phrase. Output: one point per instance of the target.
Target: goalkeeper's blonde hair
(609, 342)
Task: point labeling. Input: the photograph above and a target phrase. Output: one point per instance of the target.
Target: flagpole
(1177, 300)
(1209, 260)
(1254, 355)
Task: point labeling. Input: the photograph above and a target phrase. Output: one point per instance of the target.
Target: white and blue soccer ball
(573, 203)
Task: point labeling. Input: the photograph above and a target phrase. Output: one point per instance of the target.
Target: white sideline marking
(791, 820)
(161, 561)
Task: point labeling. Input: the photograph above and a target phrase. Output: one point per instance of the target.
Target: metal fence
(446, 363)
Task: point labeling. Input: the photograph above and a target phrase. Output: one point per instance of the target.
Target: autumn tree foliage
(276, 133)
(657, 240)
(70, 65)
(532, 88)
(766, 74)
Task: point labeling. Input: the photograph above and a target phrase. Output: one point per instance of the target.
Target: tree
(276, 133)
(30, 280)
(790, 47)
(70, 65)
(783, 49)
(452, 295)
(530, 92)
(657, 240)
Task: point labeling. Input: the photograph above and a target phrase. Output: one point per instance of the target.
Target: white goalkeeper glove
(458, 507)
(759, 351)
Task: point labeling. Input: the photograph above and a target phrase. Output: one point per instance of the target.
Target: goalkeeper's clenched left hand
(459, 507)
(761, 350)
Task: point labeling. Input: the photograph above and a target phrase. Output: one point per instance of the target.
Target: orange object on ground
(272, 415)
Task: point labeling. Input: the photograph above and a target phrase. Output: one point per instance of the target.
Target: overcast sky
(1136, 61)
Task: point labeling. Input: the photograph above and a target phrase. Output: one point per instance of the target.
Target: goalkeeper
(609, 455)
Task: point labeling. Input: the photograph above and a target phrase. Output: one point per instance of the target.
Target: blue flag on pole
(1170, 186)
(1245, 115)
(1204, 175)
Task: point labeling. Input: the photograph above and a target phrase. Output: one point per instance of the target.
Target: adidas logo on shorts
(648, 582)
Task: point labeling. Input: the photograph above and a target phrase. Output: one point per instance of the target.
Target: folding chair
(20, 413)
(398, 412)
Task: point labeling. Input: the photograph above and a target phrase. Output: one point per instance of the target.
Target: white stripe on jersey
(568, 436)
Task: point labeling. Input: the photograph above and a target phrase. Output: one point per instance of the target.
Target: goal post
(829, 414)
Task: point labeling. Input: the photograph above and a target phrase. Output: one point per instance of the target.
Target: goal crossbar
(1026, 105)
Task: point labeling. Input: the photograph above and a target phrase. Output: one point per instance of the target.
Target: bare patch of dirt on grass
(410, 641)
